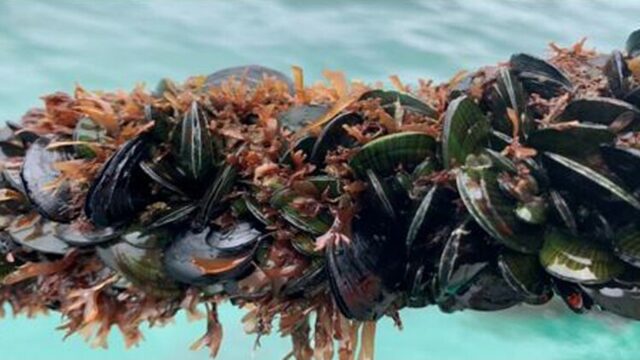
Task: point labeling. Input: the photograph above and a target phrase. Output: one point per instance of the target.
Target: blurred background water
(52, 45)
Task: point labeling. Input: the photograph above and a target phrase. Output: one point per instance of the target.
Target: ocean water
(52, 45)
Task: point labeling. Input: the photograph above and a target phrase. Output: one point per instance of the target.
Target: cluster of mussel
(528, 188)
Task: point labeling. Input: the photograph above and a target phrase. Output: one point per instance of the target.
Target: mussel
(43, 184)
(212, 255)
(365, 274)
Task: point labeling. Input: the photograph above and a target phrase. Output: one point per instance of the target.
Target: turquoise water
(48, 46)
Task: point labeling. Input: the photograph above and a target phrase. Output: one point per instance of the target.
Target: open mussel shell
(465, 132)
(577, 142)
(383, 155)
(334, 135)
(298, 116)
(118, 191)
(250, 75)
(138, 258)
(88, 131)
(578, 260)
(196, 153)
(626, 245)
(616, 298)
(50, 195)
(618, 74)
(493, 210)
(539, 76)
(575, 177)
(597, 110)
(391, 99)
(365, 274)
(624, 162)
(37, 234)
(212, 255)
(525, 275)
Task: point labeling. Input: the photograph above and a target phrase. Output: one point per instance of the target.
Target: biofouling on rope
(337, 203)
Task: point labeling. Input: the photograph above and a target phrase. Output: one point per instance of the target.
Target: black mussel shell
(38, 234)
(572, 295)
(525, 275)
(211, 256)
(299, 116)
(385, 154)
(618, 74)
(141, 265)
(11, 177)
(508, 93)
(334, 135)
(633, 44)
(624, 162)
(465, 131)
(283, 199)
(390, 100)
(50, 196)
(488, 291)
(118, 191)
(7, 245)
(166, 176)
(464, 256)
(616, 298)
(81, 233)
(563, 211)
(163, 123)
(492, 209)
(580, 179)
(577, 142)
(380, 195)
(251, 75)
(626, 245)
(196, 152)
(10, 145)
(213, 198)
(539, 76)
(179, 214)
(309, 283)
(578, 259)
(597, 110)
(364, 274)
(434, 210)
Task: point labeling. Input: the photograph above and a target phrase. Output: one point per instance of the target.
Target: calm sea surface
(51, 45)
